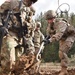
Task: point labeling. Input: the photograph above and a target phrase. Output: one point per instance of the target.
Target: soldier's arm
(59, 31)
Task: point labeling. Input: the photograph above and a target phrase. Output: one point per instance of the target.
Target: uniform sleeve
(61, 28)
(48, 29)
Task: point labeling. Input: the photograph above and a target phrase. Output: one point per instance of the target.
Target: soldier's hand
(46, 41)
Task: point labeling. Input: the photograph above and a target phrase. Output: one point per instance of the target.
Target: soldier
(10, 41)
(60, 30)
(30, 30)
(38, 37)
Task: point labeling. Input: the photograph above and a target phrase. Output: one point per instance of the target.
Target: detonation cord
(61, 11)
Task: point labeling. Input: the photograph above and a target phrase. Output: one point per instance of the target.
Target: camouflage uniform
(27, 20)
(10, 41)
(38, 37)
(63, 32)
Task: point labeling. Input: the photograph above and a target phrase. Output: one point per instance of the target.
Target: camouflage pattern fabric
(38, 37)
(5, 6)
(27, 20)
(8, 53)
(10, 41)
(65, 42)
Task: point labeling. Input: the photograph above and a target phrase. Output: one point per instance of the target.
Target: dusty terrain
(54, 69)
(48, 69)
(22, 68)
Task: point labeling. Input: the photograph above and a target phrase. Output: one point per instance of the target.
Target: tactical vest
(70, 30)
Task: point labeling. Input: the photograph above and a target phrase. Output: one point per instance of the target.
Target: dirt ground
(50, 69)
(23, 67)
(47, 69)
(54, 72)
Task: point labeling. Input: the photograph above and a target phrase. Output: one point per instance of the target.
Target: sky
(2, 1)
(44, 5)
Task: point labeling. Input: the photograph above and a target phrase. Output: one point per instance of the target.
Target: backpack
(70, 31)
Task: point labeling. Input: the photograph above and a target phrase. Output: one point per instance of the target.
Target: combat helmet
(34, 1)
(50, 14)
(27, 9)
(32, 10)
(38, 24)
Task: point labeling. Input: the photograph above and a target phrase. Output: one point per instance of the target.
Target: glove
(47, 37)
(46, 41)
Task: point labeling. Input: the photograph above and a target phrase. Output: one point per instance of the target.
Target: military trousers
(64, 47)
(8, 51)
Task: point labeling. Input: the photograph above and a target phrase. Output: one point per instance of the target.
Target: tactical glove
(46, 41)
